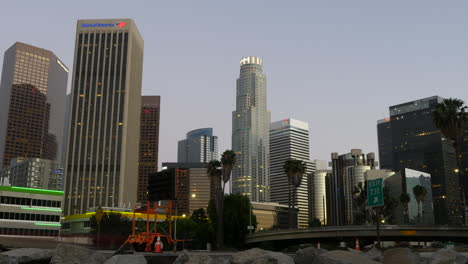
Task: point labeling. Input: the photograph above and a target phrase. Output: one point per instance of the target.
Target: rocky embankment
(69, 254)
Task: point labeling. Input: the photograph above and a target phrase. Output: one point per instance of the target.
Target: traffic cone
(158, 247)
(357, 247)
(318, 244)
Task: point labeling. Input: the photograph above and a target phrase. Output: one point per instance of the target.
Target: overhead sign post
(375, 199)
(375, 193)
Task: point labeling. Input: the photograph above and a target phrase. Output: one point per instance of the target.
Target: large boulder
(307, 255)
(3, 249)
(343, 257)
(189, 258)
(374, 254)
(352, 250)
(28, 255)
(69, 254)
(124, 259)
(4, 259)
(448, 256)
(260, 256)
(400, 255)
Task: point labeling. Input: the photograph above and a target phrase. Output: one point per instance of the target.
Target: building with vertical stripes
(149, 143)
(289, 139)
(32, 105)
(104, 125)
(250, 136)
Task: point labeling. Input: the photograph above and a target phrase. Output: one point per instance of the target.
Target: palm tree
(450, 117)
(294, 170)
(228, 159)
(420, 193)
(220, 173)
(404, 200)
(215, 174)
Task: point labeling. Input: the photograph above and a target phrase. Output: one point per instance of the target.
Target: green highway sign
(375, 192)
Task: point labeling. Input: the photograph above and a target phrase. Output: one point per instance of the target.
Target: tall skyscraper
(348, 170)
(149, 143)
(32, 104)
(289, 139)
(417, 144)
(250, 133)
(199, 146)
(104, 125)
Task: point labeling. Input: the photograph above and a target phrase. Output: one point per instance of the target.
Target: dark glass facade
(32, 104)
(149, 143)
(417, 144)
(384, 133)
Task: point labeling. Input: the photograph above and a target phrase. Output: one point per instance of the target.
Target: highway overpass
(388, 232)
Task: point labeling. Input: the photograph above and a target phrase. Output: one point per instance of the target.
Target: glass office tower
(104, 123)
(199, 146)
(417, 144)
(250, 133)
(32, 104)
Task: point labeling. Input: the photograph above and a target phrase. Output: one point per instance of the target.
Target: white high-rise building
(104, 120)
(250, 133)
(289, 139)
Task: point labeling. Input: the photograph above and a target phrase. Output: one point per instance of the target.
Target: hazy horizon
(336, 65)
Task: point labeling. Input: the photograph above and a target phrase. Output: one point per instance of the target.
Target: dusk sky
(337, 65)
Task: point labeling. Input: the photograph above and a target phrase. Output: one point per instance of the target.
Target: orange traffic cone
(357, 247)
(318, 244)
(158, 247)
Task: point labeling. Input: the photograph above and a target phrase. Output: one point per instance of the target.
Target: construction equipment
(146, 241)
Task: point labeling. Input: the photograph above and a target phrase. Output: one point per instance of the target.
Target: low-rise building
(272, 215)
(29, 212)
(193, 187)
(417, 212)
(36, 173)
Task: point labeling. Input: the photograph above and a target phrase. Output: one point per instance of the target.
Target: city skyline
(371, 66)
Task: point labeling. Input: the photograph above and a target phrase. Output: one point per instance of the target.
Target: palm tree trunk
(220, 224)
(295, 219)
(406, 214)
(418, 214)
